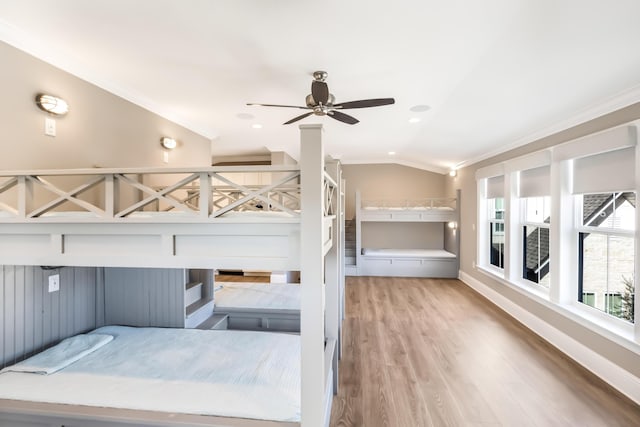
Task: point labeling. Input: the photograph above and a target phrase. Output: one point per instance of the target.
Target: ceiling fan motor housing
(312, 103)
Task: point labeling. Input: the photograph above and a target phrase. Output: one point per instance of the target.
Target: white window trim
(562, 293)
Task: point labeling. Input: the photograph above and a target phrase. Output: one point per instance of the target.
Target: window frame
(563, 230)
(602, 315)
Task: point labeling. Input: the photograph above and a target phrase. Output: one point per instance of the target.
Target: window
(560, 225)
(606, 253)
(535, 240)
(496, 232)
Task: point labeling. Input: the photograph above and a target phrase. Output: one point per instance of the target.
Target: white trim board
(614, 375)
(609, 105)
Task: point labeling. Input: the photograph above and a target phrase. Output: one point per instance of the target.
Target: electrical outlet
(54, 283)
(49, 126)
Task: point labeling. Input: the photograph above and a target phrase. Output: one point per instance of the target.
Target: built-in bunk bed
(430, 247)
(124, 376)
(258, 306)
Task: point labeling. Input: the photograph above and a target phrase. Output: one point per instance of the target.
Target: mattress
(258, 296)
(243, 374)
(408, 253)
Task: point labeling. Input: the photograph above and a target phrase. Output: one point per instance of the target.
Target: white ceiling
(496, 73)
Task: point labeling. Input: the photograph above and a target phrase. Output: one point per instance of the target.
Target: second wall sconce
(52, 104)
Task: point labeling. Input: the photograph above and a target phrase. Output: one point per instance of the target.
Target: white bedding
(67, 352)
(270, 296)
(407, 253)
(211, 372)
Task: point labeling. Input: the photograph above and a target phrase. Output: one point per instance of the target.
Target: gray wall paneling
(144, 296)
(32, 319)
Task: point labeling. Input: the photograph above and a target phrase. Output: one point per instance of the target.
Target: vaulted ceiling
(494, 73)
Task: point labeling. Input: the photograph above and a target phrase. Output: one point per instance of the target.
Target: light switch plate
(49, 126)
(54, 283)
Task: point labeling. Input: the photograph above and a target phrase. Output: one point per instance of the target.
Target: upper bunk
(439, 209)
(233, 217)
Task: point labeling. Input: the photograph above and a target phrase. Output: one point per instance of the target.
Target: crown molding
(621, 100)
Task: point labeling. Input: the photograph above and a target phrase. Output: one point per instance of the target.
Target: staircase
(350, 247)
(198, 307)
(198, 299)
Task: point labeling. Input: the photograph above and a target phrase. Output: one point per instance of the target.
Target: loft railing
(143, 193)
(424, 203)
(117, 194)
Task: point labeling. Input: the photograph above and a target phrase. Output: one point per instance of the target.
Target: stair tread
(212, 321)
(198, 305)
(191, 285)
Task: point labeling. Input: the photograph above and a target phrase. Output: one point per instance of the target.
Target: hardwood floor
(432, 352)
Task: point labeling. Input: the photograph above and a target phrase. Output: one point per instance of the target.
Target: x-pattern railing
(330, 195)
(203, 193)
(427, 203)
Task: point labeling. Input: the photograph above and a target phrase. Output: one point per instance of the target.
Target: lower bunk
(259, 306)
(436, 263)
(124, 376)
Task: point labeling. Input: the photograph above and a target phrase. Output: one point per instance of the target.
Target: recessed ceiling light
(414, 119)
(245, 116)
(420, 108)
(256, 126)
(391, 153)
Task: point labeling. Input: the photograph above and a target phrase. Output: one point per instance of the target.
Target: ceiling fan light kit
(322, 103)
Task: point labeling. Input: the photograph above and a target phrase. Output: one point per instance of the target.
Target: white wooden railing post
(25, 196)
(204, 201)
(332, 272)
(110, 194)
(312, 276)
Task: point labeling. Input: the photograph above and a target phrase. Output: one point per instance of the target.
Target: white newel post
(312, 275)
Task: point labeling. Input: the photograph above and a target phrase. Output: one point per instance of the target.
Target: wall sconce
(168, 143)
(52, 104)
(452, 224)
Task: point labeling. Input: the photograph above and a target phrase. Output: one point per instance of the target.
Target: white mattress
(258, 296)
(211, 372)
(408, 253)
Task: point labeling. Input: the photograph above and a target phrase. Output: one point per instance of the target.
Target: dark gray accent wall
(145, 296)
(32, 319)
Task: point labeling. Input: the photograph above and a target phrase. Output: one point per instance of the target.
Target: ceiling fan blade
(365, 103)
(320, 92)
(295, 119)
(278, 105)
(345, 118)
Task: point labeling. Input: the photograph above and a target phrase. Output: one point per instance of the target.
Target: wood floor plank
(433, 352)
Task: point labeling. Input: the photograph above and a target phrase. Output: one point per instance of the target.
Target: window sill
(612, 329)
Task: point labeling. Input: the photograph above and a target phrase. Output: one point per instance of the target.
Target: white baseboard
(614, 375)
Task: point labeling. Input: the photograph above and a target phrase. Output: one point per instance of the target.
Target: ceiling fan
(321, 102)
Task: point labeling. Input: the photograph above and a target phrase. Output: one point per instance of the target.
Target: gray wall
(389, 181)
(101, 129)
(467, 183)
(145, 296)
(403, 235)
(32, 319)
